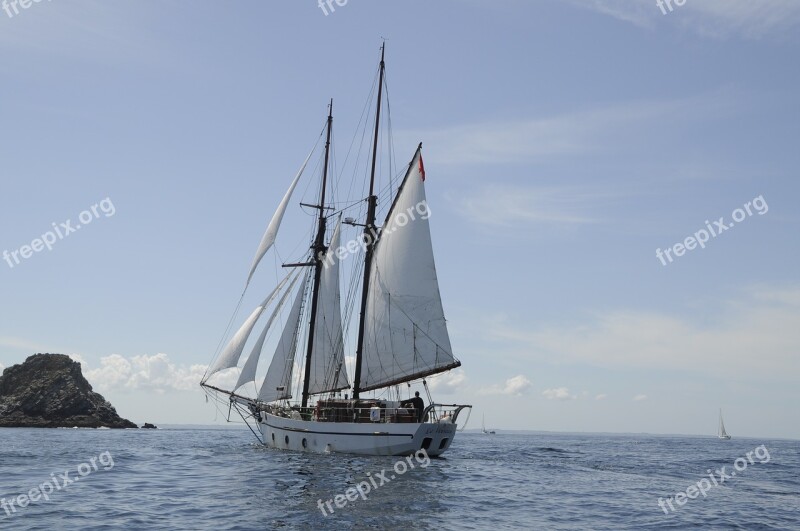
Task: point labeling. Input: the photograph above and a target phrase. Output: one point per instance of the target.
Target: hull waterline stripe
(374, 434)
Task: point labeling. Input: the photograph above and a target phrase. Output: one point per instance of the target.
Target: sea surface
(224, 480)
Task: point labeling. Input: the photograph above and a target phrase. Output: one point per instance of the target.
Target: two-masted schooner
(402, 335)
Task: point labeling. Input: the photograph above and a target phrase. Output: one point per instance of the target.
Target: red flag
(422, 168)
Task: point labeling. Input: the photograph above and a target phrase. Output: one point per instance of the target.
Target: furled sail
(277, 383)
(327, 359)
(272, 230)
(233, 351)
(405, 334)
(248, 373)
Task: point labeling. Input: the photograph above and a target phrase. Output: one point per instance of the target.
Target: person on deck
(419, 405)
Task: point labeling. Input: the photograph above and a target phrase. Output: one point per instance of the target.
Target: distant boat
(721, 433)
(483, 424)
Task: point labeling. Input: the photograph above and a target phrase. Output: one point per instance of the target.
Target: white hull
(356, 438)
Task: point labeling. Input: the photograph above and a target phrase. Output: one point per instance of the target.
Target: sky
(566, 143)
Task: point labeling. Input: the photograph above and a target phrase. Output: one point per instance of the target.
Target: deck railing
(336, 411)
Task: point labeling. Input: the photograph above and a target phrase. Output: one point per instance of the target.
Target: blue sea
(197, 479)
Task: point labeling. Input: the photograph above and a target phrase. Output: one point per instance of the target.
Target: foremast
(318, 254)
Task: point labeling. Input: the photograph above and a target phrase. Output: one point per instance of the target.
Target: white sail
(277, 382)
(405, 331)
(272, 230)
(721, 432)
(233, 351)
(327, 359)
(248, 373)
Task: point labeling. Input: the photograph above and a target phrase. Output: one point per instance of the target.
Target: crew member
(419, 405)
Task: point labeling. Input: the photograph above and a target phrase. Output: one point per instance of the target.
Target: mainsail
(405, 334)
(277, 383)
(722, 433)
(327, 361)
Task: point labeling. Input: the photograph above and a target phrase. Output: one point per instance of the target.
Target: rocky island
(49, 391)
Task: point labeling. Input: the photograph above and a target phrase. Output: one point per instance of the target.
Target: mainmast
(319, 254)
(369, 232)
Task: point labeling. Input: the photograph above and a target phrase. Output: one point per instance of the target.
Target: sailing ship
(402, 335)
(483, 426)
(721, 433)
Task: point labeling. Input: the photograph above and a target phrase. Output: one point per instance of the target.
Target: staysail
(272, 230)
(405, 335)
(327, 360)
(233, 351)
(277, 383)
(248, 373)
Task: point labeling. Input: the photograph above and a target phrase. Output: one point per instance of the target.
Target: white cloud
(752, 336)
(91, 30)
(153, 373)
(448, 383)
(509, 206)
(751, 19)
(515, 386)
(639, 398)
(637, 13)
(559, 393)
(601, 396)
(590, 131)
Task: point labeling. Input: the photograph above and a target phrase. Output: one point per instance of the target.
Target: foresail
(272, 230)
(277, 383)
(405, 330)
(327, 360)
(233, 351)
(248, 373)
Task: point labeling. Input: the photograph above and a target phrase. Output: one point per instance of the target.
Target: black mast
(369, 236)
(319, 255)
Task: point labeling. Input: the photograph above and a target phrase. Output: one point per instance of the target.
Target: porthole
(305, 443)
(286, 439)
(273, 436)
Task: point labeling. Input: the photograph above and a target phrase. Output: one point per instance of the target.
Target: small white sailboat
(402, 334)
(721, 433)
(483, 426)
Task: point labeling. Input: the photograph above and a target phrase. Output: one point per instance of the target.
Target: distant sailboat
(721, 433)
(483, 424)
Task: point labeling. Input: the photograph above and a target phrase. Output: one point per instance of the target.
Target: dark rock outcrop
(148, 426)
(49, 391)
